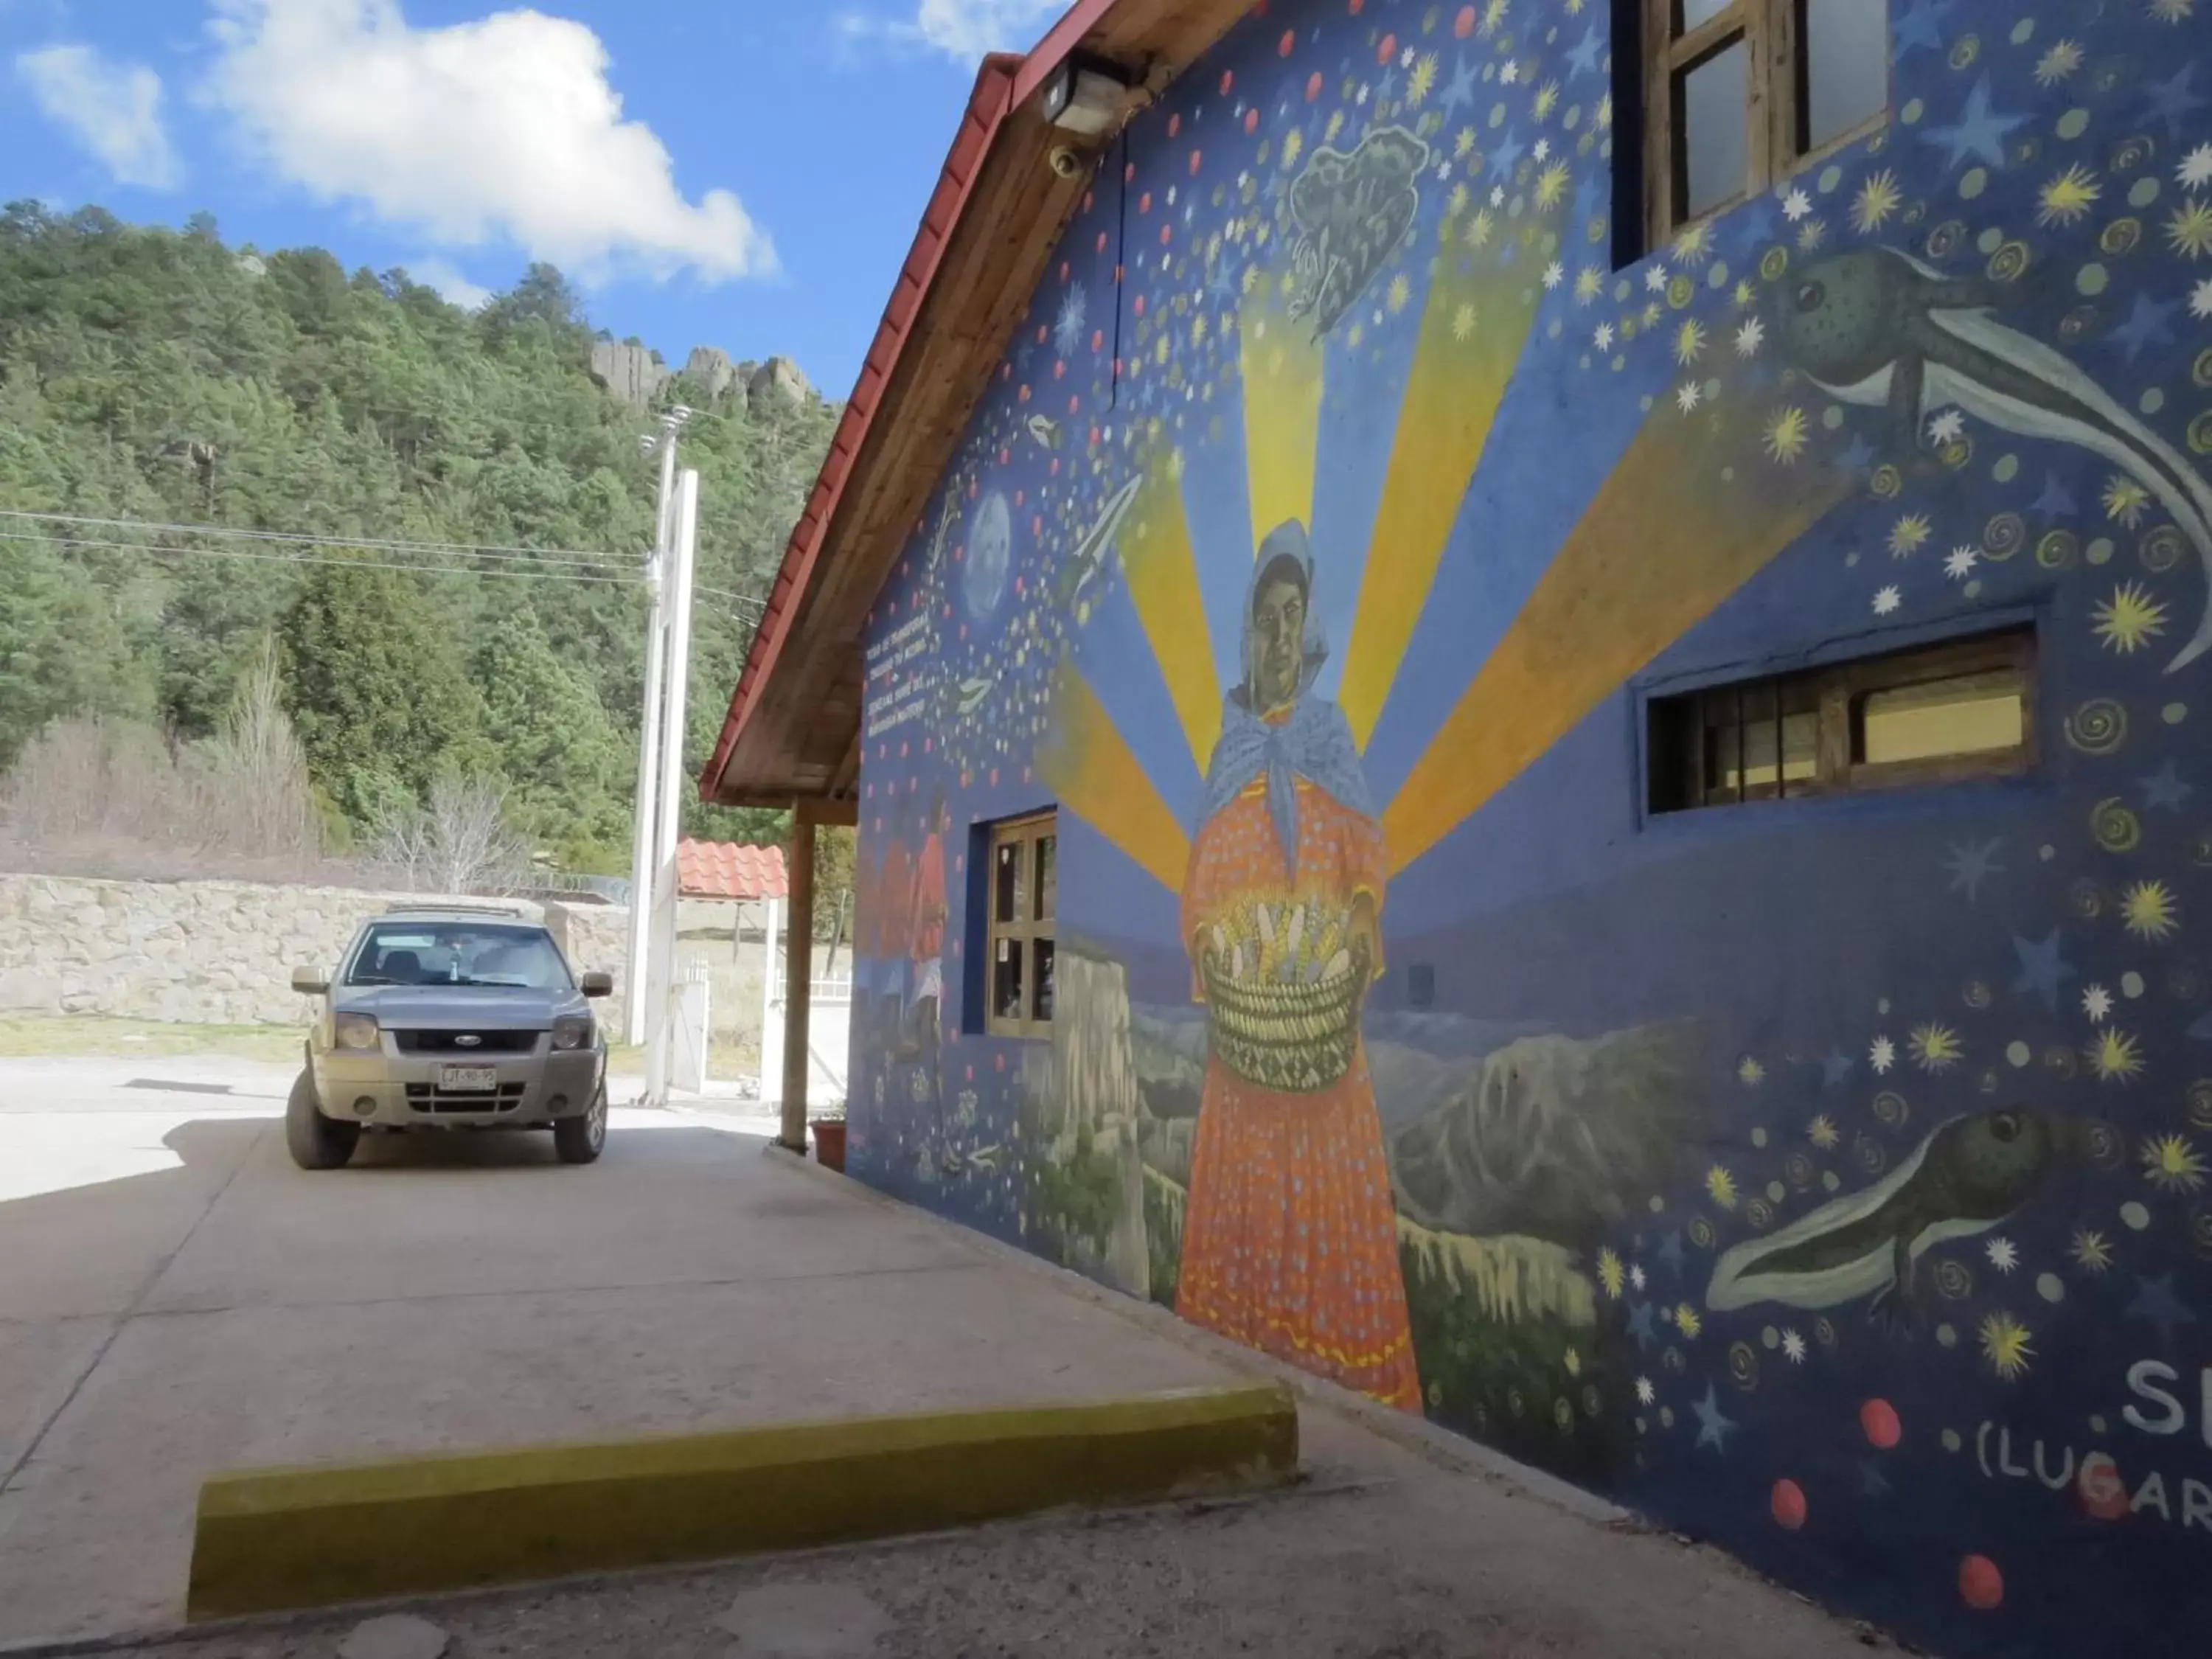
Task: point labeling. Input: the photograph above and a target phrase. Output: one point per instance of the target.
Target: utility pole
(648, 742)
(661, 974)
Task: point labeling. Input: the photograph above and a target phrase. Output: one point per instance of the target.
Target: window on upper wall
(1933, 715)
(1023, 899)
(1738, 94)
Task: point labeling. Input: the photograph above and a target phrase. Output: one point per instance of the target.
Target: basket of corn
(1283, 993)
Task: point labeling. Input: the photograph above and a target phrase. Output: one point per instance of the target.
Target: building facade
(1581, 805)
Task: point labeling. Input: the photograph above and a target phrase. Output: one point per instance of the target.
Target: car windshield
(459, 953)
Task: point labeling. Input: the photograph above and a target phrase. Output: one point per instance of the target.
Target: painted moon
(990, 554)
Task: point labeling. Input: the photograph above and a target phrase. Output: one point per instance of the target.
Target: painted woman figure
(1291, 1242)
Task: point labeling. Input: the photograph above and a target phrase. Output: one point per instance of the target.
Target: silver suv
(455, 1018)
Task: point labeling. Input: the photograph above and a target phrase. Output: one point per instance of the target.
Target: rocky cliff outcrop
(779, 377)
(633, 373)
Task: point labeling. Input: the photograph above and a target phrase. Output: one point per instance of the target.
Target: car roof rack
(509, 912)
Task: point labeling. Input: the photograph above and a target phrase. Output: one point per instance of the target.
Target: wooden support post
(798, 981)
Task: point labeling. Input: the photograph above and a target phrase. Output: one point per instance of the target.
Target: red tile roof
(726, 869)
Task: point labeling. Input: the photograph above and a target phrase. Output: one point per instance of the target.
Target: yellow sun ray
(1451, 400)
(1282, 370)
(1162, 571)
(1664, 541)
(1089, 767)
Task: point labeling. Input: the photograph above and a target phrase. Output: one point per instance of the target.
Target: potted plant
(830, 1138)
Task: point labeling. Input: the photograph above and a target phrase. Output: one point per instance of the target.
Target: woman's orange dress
(1291, 1240)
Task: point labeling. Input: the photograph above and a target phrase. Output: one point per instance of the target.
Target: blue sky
(745, 173)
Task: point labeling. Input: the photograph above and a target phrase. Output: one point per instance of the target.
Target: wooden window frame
(1025, 930)
(1839, 693)
(1777, 142)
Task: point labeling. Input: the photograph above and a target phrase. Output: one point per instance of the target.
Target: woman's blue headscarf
(1313, 744)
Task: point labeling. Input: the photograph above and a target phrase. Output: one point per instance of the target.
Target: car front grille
(450, 1042)
(428, 1097)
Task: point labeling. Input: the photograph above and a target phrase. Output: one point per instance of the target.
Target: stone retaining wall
(208, 952)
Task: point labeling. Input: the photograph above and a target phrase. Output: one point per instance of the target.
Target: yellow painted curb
(269, 1540)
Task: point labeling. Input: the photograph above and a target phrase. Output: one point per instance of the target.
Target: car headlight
(356, 1031)
(572, 1032)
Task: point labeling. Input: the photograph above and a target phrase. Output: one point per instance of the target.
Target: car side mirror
(598, 985)
(310, 981)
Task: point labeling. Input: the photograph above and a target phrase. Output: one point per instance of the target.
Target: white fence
(828, 1029)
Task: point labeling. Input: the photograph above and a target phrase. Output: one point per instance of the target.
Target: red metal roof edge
(988, 106)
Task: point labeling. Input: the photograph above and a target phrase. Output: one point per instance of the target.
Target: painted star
(1795, 205)
(1601, 336)
(2200, 300)
(1646, 1394)
(1886, 600)
(1458, 93)
(2042, 968)
(2170, 99)
(2164, 787)
(2004, 1254)
(1971, 864)
(1636, 1275)
(1961, 563)
(1881, 1054)
(2097, 1003)
(1793, 1347)
(2056, 500)
(1922, 25)
(1640, 1327)
(1835, 1069)
(1750, 337)
(1687, 399)
(1979, 131)
(2155, 1301)
(1713, 1429)
(2195, 169)
(1507, 155)
(1670, 1251)
(2149, 322)
(1582, 57)
(1946, 427)
(1654, 280)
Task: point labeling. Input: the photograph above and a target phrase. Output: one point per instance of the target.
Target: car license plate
(476, 1078)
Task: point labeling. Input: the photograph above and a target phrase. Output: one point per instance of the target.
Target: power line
(734, 598)
(547, 554)
(74, 543)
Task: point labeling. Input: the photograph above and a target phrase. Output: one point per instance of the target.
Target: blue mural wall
(1827, 1177)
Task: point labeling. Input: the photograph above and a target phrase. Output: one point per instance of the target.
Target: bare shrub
(254, 775)
(459, 843)
(99, 792)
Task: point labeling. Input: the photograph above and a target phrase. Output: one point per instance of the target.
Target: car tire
(581, 1139)
(316, 1142)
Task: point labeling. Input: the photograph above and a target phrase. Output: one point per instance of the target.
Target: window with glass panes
(1024, 896)
(1738, 94)
(1929, 714)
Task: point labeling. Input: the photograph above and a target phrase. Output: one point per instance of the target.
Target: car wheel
(581, 1139)
(316, 1142)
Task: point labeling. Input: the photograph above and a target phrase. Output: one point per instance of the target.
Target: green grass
(91, 1036)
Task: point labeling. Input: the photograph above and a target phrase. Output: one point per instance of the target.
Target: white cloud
(503, 127)
(453, 287)
(114, 110)
(967, 29)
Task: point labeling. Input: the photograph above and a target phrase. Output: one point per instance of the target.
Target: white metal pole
(661, 975)
(648, 754)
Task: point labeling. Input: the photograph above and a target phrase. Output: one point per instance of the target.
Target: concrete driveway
(176, 1299)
